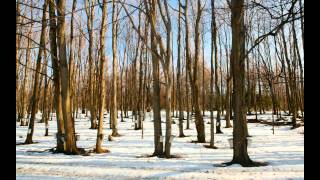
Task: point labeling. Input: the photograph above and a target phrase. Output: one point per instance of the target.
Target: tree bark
(194, 80)
(179, 99)
(102, 79)
(240, 154)
(114, 109)
(56, 77)
(71, 147)
(92, 107)
(35, 95)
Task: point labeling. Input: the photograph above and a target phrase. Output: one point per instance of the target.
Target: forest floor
(283, 151)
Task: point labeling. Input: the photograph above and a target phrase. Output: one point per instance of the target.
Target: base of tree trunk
(228, 126)
(219, 132)
(24, 123)
(210, 147)
(101, 150)
(163, 156)
(248, 163)
(28, 141)
(159, 155)
(23, 143)
(116, 134)
(79, 151)
(296, 126)
(182, 136)
(196, 141)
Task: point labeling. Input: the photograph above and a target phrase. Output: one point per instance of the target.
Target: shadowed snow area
(284, 151)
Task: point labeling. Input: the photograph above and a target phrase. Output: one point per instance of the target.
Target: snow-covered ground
(284, 151)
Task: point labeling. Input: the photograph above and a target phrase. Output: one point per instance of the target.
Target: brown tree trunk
(228, 91)
(240, 154)
(92, 107)
(114, 109)
(35, 95)
(56, 78)
(194, 80)
(218, 98)
(213, 34)
(102, 75)
(290, 82)
(158, 143)
(71, 59)
(179, 96)
(24, 95)
(71, 147)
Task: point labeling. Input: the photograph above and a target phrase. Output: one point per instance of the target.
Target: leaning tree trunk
(71, 59)
(292, 88)
(194, 80)
(36, 79)
(24, 88)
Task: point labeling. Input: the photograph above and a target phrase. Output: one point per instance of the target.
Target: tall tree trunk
(36, 79)
(187, 98)
(194, 80)
(240, 154)
(24, 89)
(213, 34)
(217, 90)
(71, 59)
(203, 69)
(114, 109)
(102, 75)
(17, 51)
(298, 57)
(92, 107)
(45, 104)
(228, 91)
(166, 55)
(179, 99)
(158, 143)
(56, 78)
(290, 82)
(71, 147)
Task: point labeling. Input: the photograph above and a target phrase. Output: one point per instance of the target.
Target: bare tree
(114, 109)
(71, 147)
(90, 16)
(193, 78)
(56, 78)
(179, 98)
(102, 80)
(35, 94)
